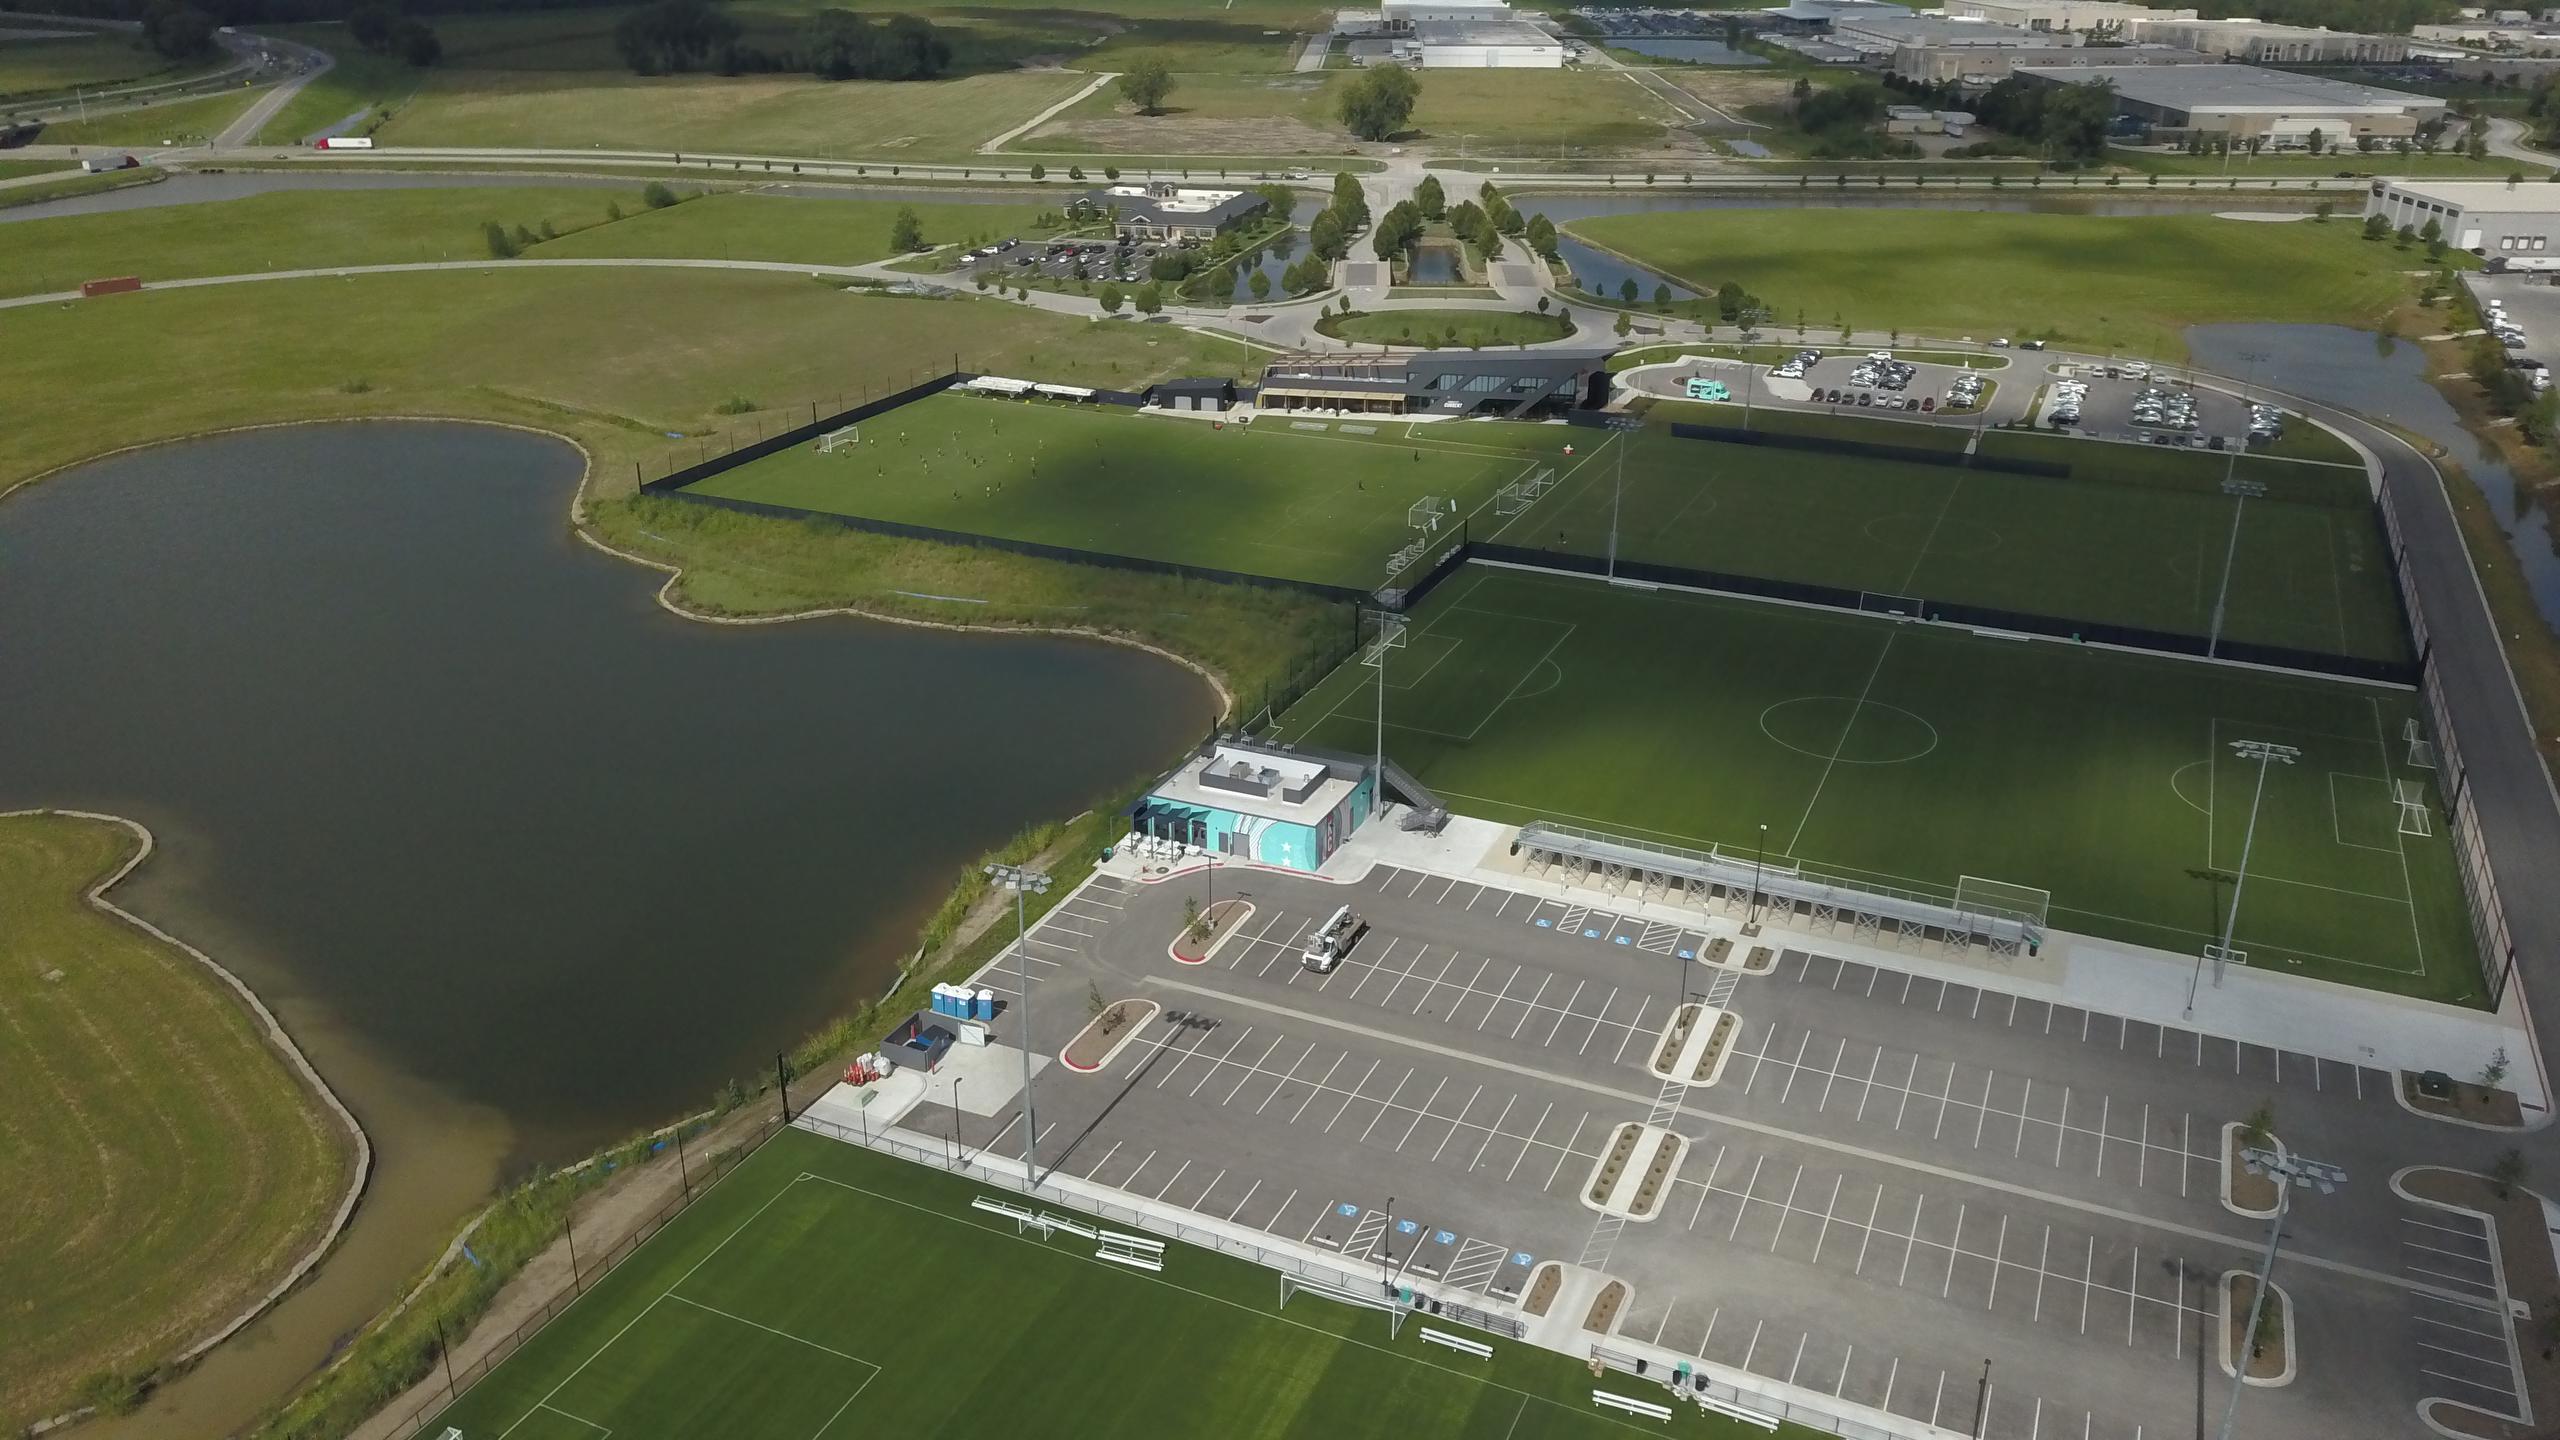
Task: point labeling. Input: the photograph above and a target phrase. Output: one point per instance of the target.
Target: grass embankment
(1487, 112)
(1433, 329)
(77, 182)
(289, 230)
(2351, 165)
(31, 69)
(614, 360)
(1203, 1350)
(180, 122)
(2109, 283)
(167, 1167)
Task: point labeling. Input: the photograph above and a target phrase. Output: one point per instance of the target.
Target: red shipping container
(115, 285)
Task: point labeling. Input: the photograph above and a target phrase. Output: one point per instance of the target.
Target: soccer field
(1323, 501)
(824, 1292)
(2134, 537)
(1913, 755)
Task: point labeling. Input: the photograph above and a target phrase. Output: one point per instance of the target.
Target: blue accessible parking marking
(1522, 1257)
(1622, 940)
(1688, 954)
(1406, 1227)
(1346, 1209)
(1590, 934)
(1545, 924)
(1445, 1237)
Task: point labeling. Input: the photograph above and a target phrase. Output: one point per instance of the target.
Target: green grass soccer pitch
(2135, 537)
(1913, 755)
(823, 1292)
(1323, 501)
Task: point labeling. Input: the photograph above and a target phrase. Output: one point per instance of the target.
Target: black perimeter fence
(1405, 591)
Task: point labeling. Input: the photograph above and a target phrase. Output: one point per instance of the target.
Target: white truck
(1333, 940)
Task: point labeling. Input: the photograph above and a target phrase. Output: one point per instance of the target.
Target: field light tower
(1622, 426)
(2268, 755)
(2287, 1170)
(1018, 879)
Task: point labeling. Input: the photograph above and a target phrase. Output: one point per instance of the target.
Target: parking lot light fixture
(2268, 755)
(1019, 880)
(2287, 1170)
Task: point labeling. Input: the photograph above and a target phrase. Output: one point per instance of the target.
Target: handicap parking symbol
(1346, 1208)
(1445, 1237)
(1545, 924)
(1521, 1257)
(1688, 954)
(1623, 940)
(1590, 934)
(1406, 1227)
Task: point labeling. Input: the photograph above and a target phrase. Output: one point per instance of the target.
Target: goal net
(2009, 915)
(1426, 513)
(1520, 494)
(2422, 751)
(835, 440)
(2412, 798)
(1364, 1299)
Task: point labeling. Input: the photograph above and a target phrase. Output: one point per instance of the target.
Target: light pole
(2241, 493)
(1759, 857)
(2268, 755)
(1621, 426)
(1390, 635)
(1018, 879)
(2287, 1170)
(1387, 1232)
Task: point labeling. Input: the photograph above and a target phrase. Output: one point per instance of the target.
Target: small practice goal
(2411, 796)
(2422, 751)
(1519, 495)
(835, 440)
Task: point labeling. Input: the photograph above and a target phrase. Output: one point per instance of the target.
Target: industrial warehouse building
(1446, 383)
(1448, 35)
(2519, 225)
(2076, 16)
(1987, 65)
(2259, 43)
(2243, 101)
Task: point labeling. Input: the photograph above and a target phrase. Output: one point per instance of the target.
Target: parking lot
(2114, 407)
(1896, 1175)
(2532, 305)
(1124, 261)
(1919, 390)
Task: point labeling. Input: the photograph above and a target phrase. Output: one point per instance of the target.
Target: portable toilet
(986, 1009)
(946, 1000)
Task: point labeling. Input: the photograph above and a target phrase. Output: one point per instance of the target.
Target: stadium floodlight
(1020, 879)
(2241, 493)
(1389, 636)
(2268, 755)
(1622, 426)
(2287, 1170)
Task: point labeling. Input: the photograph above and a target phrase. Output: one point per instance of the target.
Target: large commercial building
(1166, 211)
(2079, 17)
(2517, 224)
(1988, 65)
(2260, 43)
(1881, 37)
(1447, 383)
(2243, 101)
(1406, 15)
(1486, 45)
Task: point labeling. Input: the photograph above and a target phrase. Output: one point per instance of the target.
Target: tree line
(676, 36)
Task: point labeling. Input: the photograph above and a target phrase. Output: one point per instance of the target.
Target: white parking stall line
(1433, 984)
(1248, 1199)
(1567, 1150)
(1407, 973)
(1232, 1046)
(1373, 970)
(1524, 1147)
(1096, 1168)
(1532, 1006)
(1177, 1174)
(1292, 1074)
(1320, 1084)
(1499, 996)
(1353, 1095)
(1457, 1124)
(1632, 1026)
(1478, 1158)
(1565, 1010)
(1387, 1104)
(1427, 1102)
(1256, 1069)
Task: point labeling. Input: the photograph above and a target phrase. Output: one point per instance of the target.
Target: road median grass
(2101, 282)
(169, 1167)
(179, 122)
(1437, 329)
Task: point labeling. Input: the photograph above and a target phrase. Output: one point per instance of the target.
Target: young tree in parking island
(1146, 84)
(1379, 103)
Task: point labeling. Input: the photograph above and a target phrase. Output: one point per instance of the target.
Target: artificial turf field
(1326, 503)
(2134, 537)
(1912, 755)
(824, 1292)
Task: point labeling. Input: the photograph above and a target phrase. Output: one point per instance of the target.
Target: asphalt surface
(1893, 1178)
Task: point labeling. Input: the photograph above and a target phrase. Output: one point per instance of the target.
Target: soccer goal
(1519, 495)
(835, 440)
(1899, 607)
(2412, 798)
(2422, 751)
(2008, 917)
(1426, 513)
(1364, 1299)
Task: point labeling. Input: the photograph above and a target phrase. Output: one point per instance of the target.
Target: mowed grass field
(823, 1292)
(165, 1166)
(1914, 755)
(2134, 537)
(179, 122)
(50, 66)
(1326, 504)
(2129, 283)
(1533, 112)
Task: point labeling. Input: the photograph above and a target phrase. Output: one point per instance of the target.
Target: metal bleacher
(1874, 912)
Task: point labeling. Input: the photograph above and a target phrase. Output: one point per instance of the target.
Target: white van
(1333, 940)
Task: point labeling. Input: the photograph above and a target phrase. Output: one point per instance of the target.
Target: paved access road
(1894, 1178)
